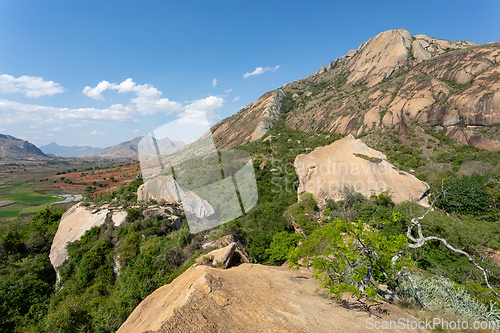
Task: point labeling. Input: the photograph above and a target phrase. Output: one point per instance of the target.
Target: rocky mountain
(129, 149)
(67, 151)
(11, 147)
(394, 82)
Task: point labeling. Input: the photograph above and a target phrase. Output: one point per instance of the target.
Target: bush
(466, 195)
(303, 213)
(439, 293)
(281, 246)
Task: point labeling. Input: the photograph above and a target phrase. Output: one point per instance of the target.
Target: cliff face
(246, 298)
(392, 82)
(251, 122)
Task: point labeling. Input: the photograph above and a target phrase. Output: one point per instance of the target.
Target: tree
(351, 256)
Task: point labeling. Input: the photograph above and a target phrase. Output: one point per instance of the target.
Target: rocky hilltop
(392, 82)
(247, 298)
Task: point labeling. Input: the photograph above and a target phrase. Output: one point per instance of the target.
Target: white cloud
(237, 98)
(30, 115)
(29, 86)
(214, 82)
(196, 109)
(260, 70)
(148, 100)
(228, 90)
(135, 131)
(96, 92)
(97, 133)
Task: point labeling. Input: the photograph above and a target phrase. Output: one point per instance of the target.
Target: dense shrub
(466, 195)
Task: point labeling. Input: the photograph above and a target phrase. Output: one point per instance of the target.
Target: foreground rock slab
(247, 298)
(349, 162)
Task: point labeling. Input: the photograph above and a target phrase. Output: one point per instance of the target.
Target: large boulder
(248, 298)
(349, 162)
(165, 188)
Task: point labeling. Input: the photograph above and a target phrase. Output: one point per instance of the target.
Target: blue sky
(102, 72)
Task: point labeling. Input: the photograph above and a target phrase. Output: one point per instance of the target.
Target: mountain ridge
(12, 147)
(392, 82)
(68, 151)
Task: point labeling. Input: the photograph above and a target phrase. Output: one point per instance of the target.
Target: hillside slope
(11, 147)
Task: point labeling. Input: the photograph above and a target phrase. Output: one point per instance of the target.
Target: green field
(27, 200)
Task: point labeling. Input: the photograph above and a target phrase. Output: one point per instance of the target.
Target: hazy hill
(67, 151)
(394, 82)
(128, 149)
(11, 147)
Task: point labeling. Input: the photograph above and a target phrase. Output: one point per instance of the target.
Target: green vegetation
(26, 197)
(350, 242)
(27, 278)
(369, 158)
(362, 243)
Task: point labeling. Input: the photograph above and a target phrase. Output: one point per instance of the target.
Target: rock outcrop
(75, 222)
(351, 163)
(228, 251)
(251, 122)
(165, 188)
(247, 298)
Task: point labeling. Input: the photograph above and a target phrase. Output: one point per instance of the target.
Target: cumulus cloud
(96, 92)
(30, 115)
(260, 70)
(148, 100)
(237, 98)
(97, 133)
(214, 82)
(195, 110)
(29, 86)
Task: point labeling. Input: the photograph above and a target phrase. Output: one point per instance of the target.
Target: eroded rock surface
(246, 298)
(351, 163)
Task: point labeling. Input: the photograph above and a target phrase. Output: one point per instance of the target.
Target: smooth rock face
(247, 298)
(167, 189)
(351, 163)
(74, 223)
(380, 56)
(118, 217)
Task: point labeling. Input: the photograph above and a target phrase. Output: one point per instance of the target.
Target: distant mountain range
(66, 151)
(128, 149)
(11, 147)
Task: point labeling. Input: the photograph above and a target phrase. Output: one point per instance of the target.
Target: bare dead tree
(420, 240)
